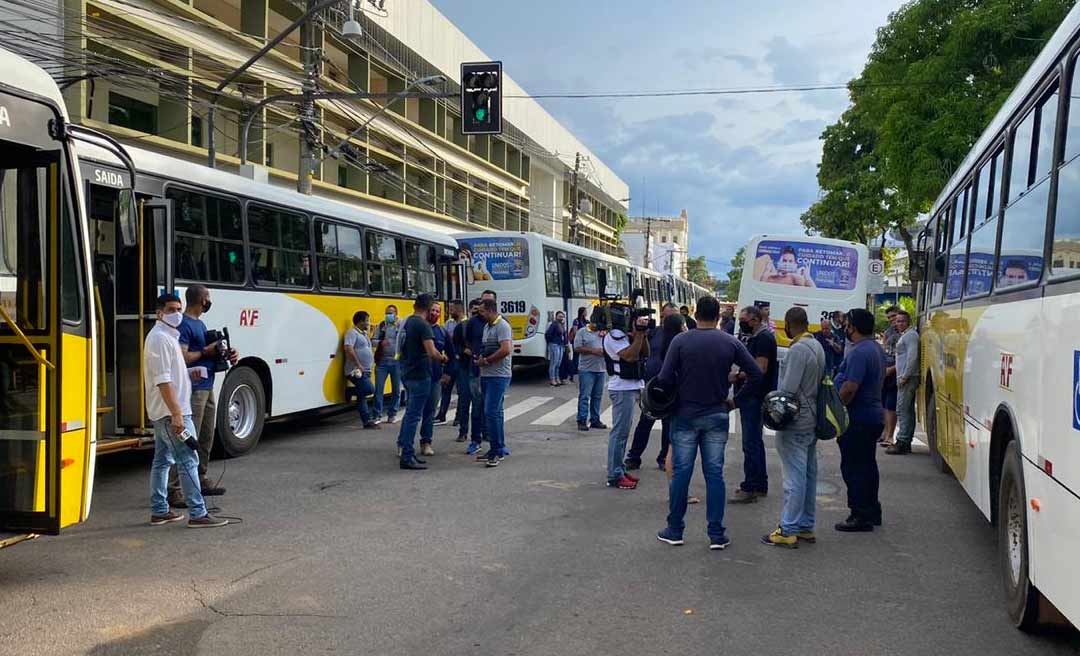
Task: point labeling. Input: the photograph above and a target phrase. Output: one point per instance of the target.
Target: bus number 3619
(512, 307)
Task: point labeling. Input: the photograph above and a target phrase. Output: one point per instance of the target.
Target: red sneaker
(623, 483)
(632, 477)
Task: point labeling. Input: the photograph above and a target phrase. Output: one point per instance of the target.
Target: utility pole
(648, 237)
(311, 56)
(575, 231)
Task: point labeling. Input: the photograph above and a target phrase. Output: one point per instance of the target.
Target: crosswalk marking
(520, 408)
(605, 416)
(558, 415)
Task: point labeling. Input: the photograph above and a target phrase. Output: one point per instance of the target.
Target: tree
(937, 74)
(697, 271)
(734, 276)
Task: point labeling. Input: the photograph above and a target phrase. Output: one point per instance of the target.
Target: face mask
(390, 316)
(787, 266)
(206, 306)
(172, 319)
(744, 326)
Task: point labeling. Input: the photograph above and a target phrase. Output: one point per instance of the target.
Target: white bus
(817, 274)
(998, 309)
(286, 272)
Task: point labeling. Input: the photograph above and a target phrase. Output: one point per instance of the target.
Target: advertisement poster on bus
(498, 258)
(802, 264)
(1013, 269)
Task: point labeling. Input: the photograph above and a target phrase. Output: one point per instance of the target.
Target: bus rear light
(1048, 467)
(1036, 505)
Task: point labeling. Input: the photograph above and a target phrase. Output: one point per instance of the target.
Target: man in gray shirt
(387, 341)
(907, 383)
(495, 371)
(359, 362)
(797, 444)
(592, 376)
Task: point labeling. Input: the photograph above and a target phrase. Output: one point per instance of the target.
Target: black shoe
(632, 465)
(599, 425)
(899, 449)
(493, 461)
(212, 491)
(582, 426)
(853, 525)
(456, 423)
(413, 464)
(422, 462)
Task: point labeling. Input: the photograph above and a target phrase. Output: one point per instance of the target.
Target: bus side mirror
(127, 216)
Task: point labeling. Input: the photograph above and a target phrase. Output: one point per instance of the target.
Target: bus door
(132, 266)
(45, 337)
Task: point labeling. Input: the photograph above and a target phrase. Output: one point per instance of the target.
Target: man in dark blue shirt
(204, 356)
(859, 381)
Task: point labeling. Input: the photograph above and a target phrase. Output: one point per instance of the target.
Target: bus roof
(808, 238)
(20, 73)
(214, 179)
(550, 241)
(1050, 53)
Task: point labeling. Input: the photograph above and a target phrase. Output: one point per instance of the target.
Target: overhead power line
(733, 91)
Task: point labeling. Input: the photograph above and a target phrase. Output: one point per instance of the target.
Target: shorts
(888, 393)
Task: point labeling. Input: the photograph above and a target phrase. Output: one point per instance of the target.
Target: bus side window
(1065, 244)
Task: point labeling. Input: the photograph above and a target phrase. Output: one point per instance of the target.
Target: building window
(134, 114)
(269, 154)
(343, 176)
(196, 131)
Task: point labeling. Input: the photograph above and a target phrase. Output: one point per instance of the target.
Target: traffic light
(481, 98)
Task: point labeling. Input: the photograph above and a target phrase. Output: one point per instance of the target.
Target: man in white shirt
(167, 387)
(626, 356)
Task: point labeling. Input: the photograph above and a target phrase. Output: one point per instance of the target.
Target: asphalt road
(339, 552)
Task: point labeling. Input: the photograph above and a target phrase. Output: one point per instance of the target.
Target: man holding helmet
(792, 411)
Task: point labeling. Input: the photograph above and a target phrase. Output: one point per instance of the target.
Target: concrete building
(144, 71)
(661, 243)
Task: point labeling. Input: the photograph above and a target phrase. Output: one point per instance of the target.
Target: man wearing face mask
(762, 345)
(386, 364)
(198, 353)
(167, 390)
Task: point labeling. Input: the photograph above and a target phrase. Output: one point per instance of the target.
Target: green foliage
(734, 276)
(936, 75)
(620, 223)
(698, 271)
(881, 322)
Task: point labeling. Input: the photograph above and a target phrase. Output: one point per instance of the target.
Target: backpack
(832, 416)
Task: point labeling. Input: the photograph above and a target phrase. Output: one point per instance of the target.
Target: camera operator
(625, 356)
(645, 423)
(198, 353)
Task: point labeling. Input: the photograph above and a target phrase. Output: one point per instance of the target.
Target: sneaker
(391, 420)
(899, 449)
(719, 544)
(438, 422)
(854, 525)
(632, 465)
(582, 426)
(632, 477)
(167, 518)
(426, 449)
(372, 425)
(806, 536)
(462, 438)
(504, 452)
(670, 536)
(377, 420)
(413, 465)
(780, 539)
(492, 461)
(744, 496)
(472, 449)
(623, 483)
(456, 422)
(598, 425)
(483, 457)
(206, 521)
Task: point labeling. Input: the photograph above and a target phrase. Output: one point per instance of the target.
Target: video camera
(613, 314)
(221, 358)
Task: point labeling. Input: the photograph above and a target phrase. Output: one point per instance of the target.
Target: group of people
(179, 363)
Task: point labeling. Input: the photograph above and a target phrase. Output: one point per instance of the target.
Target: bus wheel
(1022, 597)
(932, 431)
(241, 411)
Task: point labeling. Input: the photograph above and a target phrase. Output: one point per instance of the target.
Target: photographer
(198, 352)
(645, 423)
(625, 357)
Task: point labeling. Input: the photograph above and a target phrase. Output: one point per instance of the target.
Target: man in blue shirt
(860, 383)
(198, 353)
(441, 375)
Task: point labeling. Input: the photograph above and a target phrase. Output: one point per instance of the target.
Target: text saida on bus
(818, 274)
(48, 325)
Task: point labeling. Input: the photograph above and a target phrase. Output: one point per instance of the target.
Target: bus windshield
(498, 258)
(806, 264)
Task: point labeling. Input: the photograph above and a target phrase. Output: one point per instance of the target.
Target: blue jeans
(168, 450)
(554, 356)
(710, 433)
(756, 478)
(415, 417)
(798, 453)
(476, 390)
(494, 388)
(444, 393)
(364, 389)
(464, 399)
(590, 396)
(431, 410)
(382, 370)
(622, 420)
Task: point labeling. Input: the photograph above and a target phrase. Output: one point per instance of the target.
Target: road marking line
(559, 414)
(520, 408)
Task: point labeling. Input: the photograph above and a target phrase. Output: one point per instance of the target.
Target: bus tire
(241, 411)
(932, 431)
(1022, 598)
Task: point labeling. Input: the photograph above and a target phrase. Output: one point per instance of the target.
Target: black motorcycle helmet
(658, 400)
(779, 410)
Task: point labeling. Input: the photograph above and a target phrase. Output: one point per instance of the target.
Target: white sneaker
(427, 450)
(391, 420)
(377, 420)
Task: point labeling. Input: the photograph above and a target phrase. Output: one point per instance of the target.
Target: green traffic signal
(480, 113)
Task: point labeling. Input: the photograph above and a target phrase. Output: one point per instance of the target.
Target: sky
(739, 164)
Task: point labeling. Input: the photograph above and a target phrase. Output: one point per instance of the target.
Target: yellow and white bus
(818, 274)
(47, 318)
(999, 309)
(286, 272)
